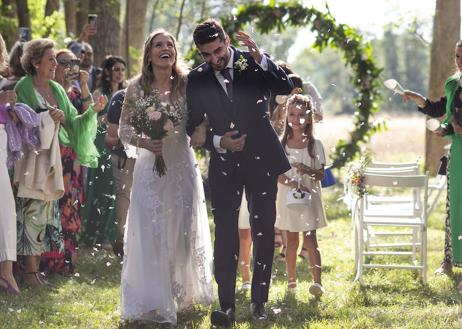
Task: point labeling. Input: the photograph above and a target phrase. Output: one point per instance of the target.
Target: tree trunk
(51, 6)
(202, 15)
(134, 32)
(70, 8)
(107, 40)
(22, 10)
(180, 20)
(446, 32)
(153, 15)
(81, 15)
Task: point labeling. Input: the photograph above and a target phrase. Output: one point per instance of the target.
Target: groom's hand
(247, 41)
(231, 143)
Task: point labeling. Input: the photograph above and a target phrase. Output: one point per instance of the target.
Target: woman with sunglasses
(99, 213)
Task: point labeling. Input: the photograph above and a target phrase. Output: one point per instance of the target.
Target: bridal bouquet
(153, 118)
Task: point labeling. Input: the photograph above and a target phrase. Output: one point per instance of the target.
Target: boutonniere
(241, 64)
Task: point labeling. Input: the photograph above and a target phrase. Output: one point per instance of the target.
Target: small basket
(296, 199)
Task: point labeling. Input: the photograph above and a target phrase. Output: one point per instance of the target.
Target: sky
(371, 16)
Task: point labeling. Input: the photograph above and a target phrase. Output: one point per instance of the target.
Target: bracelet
(86, 99)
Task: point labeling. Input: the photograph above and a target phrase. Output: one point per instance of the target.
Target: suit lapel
(237, 75)
(236, 72)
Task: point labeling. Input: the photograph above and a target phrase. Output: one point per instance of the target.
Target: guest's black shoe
(258, 311)
(223, 318)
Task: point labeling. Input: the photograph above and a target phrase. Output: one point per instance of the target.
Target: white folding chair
(384, 168)
(397, 222)
(393, 165)
(392, 170)
(393, 205)
(436, 185)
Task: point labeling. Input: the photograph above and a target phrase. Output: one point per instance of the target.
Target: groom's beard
(221, 64)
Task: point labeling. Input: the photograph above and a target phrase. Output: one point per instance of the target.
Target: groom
(232, 88)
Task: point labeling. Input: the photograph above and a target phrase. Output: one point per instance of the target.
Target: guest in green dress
(99, 225)
(39, 174)
(449, 105)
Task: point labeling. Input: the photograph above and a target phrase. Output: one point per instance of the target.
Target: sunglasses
(64, 63)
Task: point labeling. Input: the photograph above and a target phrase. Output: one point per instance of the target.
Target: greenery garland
(356, 52)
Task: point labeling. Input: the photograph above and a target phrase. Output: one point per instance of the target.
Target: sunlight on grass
(385, 299)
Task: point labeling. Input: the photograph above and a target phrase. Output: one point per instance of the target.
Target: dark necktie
(228, 82)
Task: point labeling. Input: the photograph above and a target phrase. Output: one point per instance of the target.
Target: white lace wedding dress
(168, 253)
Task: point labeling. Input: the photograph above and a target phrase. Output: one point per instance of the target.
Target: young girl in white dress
(306, 155)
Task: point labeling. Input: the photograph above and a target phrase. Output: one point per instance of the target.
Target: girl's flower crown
(297, 98)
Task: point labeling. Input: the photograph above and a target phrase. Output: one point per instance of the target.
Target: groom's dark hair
(208, 31)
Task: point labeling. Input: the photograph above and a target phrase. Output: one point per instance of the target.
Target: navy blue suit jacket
(247, 113)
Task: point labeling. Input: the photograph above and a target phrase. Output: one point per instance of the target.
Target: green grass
(385, 299)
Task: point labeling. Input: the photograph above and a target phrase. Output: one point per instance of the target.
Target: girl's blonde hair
(304, 103)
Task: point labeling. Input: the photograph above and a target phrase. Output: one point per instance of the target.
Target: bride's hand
(153, 145)
(199, 135)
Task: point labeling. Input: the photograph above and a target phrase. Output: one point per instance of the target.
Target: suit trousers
(226, 190)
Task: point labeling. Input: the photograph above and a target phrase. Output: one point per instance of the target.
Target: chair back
(392, 165)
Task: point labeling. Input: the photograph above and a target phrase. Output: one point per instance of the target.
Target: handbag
(328, 179)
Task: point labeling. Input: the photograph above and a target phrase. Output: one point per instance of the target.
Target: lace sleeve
(127, 133)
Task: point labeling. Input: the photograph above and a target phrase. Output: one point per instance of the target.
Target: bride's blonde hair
(179, 71)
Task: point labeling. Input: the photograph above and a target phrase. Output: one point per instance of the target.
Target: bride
(168, 251)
